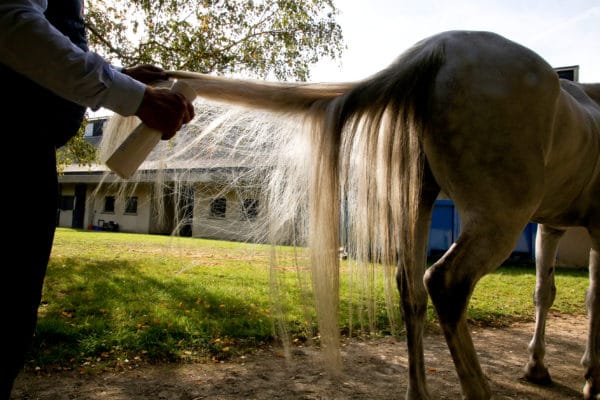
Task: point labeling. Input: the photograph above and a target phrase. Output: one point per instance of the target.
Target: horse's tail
(365, 156)
(319, 107)
(256, 94)
(367, 165)
(365, 143)
(382, 161)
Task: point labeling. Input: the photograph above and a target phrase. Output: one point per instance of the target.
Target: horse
(470, 114)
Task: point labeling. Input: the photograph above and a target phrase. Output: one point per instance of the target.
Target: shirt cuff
(124, 95)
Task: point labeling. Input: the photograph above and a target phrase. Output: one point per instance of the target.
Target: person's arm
(30, 45)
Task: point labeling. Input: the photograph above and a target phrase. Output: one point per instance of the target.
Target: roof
(191, 154)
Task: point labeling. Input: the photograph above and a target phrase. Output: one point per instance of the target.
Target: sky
(564, 33)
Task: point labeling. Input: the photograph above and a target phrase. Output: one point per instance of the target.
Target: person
(48, 80)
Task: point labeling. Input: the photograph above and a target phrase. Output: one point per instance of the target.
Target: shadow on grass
(104, 312)
(109, 311)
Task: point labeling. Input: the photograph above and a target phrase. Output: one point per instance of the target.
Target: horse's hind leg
(547, 239)
(482, 246)
(591, 358)
(413, 296)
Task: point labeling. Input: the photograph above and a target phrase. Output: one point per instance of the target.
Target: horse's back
(573, 159)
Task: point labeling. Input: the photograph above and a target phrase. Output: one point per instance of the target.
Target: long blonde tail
(356, 145)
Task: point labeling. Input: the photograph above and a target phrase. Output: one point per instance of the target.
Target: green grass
(112, 299)
(507, 295)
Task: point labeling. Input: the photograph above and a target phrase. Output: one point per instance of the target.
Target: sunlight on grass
(110, 297)
(507, 294)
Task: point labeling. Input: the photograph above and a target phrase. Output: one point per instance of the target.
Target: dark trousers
(33, 122)
(29, 222)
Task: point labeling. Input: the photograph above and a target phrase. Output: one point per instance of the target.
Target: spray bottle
(127, 158)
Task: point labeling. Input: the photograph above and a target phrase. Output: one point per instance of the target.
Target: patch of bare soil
(372, 370)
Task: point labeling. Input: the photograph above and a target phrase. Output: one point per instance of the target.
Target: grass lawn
(114, 298)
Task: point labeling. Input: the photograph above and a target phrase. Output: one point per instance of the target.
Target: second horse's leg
(547, 239)
(591, 358)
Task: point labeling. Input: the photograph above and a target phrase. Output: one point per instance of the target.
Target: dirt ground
(372, 370)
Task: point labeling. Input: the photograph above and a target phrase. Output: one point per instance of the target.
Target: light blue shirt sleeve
(30, 45)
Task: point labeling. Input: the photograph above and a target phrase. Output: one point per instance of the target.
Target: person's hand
(146, 73)
(165, 110)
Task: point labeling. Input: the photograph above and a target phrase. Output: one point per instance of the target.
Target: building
(196, 203)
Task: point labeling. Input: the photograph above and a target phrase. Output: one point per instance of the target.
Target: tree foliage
(269, 39)
(76, 151)
(280, 39)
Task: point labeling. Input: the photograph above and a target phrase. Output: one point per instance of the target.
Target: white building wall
(234, 226)
(574, 248)
(138, 222)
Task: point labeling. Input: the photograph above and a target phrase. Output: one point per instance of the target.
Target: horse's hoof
(538, 375)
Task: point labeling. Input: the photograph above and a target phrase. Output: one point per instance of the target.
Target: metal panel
(441, 233)
(445, 228)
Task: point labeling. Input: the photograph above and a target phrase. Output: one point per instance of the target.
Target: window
(218, 207)
(98, 127)
(94, 128)
(66, 203)
(109, 204)
(249, 209)
(570, 73)
(131, 205)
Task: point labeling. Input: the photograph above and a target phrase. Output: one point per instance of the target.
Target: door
(79, 209)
